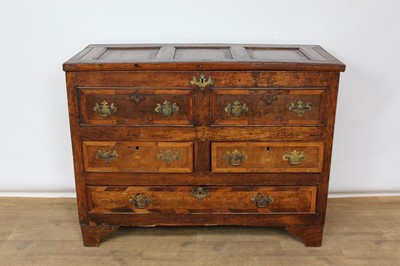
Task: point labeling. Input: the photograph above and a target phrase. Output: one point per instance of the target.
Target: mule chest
(193, 135)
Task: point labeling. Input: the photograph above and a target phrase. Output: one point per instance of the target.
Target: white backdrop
(38, 36)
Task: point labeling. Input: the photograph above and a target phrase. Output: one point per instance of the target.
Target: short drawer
(266, 157)
(144, 157)
(218, 200)
(136, 107)
(275, 107)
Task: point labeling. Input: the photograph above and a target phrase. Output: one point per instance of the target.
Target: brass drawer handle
(294, 157)
(300, 108)
(200, 193)
(202, 82)
(235, 158)
(262, 201)
(236, 109)
(107, 155)
(168, 156)
(104, 109)
(140, 201)
(166, 109)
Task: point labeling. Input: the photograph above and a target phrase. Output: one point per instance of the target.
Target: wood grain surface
(142, 120)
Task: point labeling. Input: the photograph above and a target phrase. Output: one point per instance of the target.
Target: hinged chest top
(189, 135)
(166, 57)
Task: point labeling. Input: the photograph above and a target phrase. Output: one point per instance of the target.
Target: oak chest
(202, 135)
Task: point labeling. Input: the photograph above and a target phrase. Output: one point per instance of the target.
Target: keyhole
(267, 149)
(137, 148)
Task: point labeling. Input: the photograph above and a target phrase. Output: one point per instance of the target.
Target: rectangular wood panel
(143, 157)
(219, 200)
(270, 107)
(264, 157)
(136, 106)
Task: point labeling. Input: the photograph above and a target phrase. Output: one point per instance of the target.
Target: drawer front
(137, 107)
(266, 157)
(184, 199)
(144, 157)
(275, 107)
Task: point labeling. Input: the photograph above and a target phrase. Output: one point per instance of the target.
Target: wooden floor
(358, 231)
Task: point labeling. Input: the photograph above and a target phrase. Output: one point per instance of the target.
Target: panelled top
(199, 57)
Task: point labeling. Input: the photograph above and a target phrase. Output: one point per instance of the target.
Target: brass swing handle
(294, 158)
(107, 155)
(140, 201)
(300, 108)
(104, 109)
(235, 158)
(262, 201)
(202, 82)
(166, 109)
(236, 109)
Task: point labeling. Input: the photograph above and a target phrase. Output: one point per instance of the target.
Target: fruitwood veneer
(221, 134)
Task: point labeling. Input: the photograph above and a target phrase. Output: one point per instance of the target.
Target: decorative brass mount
(107, 155)
(301, 108)
(269, 98)
(202, 82)
(200, 193)
(262, 201)
(166, 109)
(236, 109)
(235, 158)
(136, 97)
(104, 109)
(140, 201)
(294, 157)
(168, 156)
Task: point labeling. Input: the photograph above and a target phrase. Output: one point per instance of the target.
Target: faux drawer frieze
(136, 107)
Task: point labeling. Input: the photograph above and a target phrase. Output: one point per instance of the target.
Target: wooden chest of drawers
(202, 135)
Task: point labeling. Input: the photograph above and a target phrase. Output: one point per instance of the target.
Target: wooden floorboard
(43, 231)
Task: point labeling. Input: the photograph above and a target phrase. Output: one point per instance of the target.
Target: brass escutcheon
(166, 109)
(136, 97)
(202, 82)
(269, 98)
(104, 109)
(236, 109)
(107, 155)
(200, 193)
(301, 108)
(140, 201)
(294, 157)
(235, 158)
(168, 156)
(262, 201)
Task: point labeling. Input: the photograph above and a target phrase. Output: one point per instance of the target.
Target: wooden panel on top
(289, 54)
(202, 53)
(132, 53)
(200, 57)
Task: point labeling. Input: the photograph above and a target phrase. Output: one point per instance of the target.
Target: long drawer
(141, 157)
(217, 200)
(264, 157)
